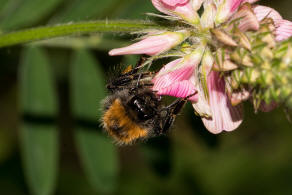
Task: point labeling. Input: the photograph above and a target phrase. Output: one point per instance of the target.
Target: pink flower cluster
(181, 77)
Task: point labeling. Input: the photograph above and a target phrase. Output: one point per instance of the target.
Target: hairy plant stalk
(74, 29)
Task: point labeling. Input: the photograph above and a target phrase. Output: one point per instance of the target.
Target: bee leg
(138, 80)
(125, 80)
(141, 85)
(172, 110)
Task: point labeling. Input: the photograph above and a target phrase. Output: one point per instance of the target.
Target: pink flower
(194, 71)
(153, 44)
(181, 77)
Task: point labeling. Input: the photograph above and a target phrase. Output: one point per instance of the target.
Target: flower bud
(223, 37)
(243, 39)
(179, 8)
(153, 44)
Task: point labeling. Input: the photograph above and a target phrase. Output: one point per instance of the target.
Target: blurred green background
(51, 142)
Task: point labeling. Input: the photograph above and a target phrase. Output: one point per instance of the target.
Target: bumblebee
(133, 111)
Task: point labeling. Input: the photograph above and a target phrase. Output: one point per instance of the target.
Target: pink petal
(263, 12)
(183, 10)
(283, 27)
(207, 63)
(225, 117)
(168, 67)
(202, 107)
(283, 30)
(226, 8)
(166, 80)
(207, 18)
(180, 89)
(234, 4)
(151, 45)
(192, 59)
(248, 20)
(175, 79)
(250, 1)
(175, 2)
(197, 4)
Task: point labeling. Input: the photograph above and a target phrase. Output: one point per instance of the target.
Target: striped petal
(283, 30)
(263, 12)
(207, 18)
(225, 8)
(180, 89)
(174, 2)
(175, 79)
(248, 19)
(283, 27)
(168, 67)
(168, 79)
(225, 117)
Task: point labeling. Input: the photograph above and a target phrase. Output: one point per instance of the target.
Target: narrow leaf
(79, 10)
(38, 134)
(26, 12)
(3, 4)
(137, 9)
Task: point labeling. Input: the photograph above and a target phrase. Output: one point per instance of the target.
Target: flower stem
(40, 33)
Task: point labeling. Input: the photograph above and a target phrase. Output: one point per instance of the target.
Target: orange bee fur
(120, 126)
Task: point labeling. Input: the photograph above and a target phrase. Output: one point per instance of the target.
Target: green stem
(40, 33)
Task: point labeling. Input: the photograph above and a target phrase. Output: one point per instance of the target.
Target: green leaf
(81, 28)
(99, 158)
(39, 148)
(22, 13)
(98, 154)
(3, 3)
(88, 86)
(38, 139)
(137, 10)
(83, 10)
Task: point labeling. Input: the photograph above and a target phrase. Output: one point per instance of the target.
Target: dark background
(50, 142)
